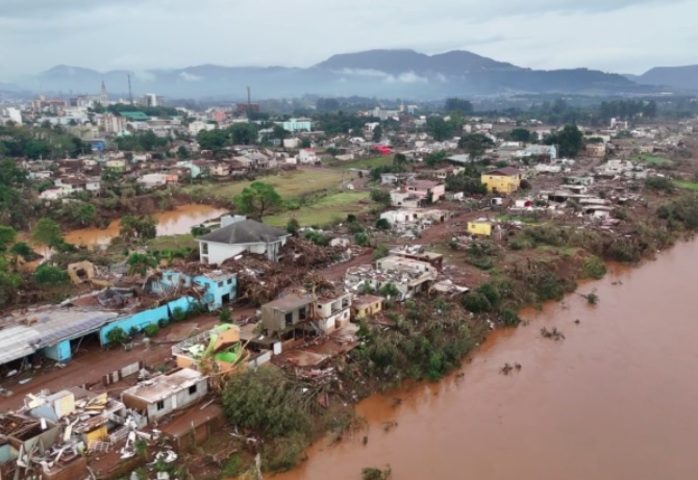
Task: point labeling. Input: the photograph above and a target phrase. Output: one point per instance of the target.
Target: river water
(172, 222)
(616, 399)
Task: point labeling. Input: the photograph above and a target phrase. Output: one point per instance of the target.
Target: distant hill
(677, 77)
(382, 73)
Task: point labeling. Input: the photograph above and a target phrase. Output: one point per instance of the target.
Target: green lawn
(686, 185)
(366, 163)
(289, 184)
(328, 209)
(172, 242)
(655, 160)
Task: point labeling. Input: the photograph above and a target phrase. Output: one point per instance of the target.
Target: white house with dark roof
(238, 235)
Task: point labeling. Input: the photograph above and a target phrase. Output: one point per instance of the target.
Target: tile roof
(245, 232)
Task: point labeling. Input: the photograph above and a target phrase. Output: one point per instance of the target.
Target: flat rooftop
(164, 386)
(290, 302)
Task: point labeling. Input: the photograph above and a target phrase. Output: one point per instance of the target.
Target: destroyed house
(408, 276)
(219, 348)
(332, 311)
(288, 312)
(215, 288)
(21, 436)
(365, 306)
(165, 394)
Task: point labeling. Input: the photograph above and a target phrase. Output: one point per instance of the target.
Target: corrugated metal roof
(31, 330)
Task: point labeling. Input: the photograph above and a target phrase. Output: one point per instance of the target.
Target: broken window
(289, 319)
(301, 313)
(160, 405)
(192, 389)
(204, 248)
(220, 284)
(230, 281)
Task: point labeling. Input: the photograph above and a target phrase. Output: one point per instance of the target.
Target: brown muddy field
(616, 399)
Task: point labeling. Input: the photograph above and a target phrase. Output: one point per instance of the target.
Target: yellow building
(480, 227)
(365, 306)
(502, 181)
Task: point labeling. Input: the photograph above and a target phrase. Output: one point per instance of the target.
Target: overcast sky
(625, 36)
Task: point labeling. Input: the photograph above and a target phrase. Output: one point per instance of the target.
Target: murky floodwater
(617, 399)
(173, 222)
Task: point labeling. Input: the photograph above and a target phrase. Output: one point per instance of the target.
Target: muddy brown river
(173, 222)
(616, 399)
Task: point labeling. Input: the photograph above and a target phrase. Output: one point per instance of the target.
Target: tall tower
(103, 96)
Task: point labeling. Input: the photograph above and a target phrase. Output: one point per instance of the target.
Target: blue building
(217, 288)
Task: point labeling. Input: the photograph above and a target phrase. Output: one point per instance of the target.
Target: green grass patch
(366, 163)
(686, 185)
(289, 184)
(655, 160)
(326, 210)
(172, 242)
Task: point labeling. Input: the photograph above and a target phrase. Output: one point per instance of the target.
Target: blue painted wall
(59, 352)
(215, 289)
(142, 319)
(139, 321)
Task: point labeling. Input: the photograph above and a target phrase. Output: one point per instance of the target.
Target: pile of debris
(301, 252)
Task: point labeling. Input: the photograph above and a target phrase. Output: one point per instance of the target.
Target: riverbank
(416, 341)
(610, 401)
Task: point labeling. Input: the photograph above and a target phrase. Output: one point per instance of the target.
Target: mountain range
(380, 73)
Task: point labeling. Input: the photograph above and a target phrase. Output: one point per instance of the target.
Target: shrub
(380, 196)
(316, 237)
(362, 239)
(491, 293)
(510, 318)
(225, 315)
(163, 322)
(179, 314)
(383, 224)
(46, 274)
(593, 267)
(380, 252)
(233, 467)
(660, 184)
(476, 302)
(117, 336)
(292, 226)
(151, 330)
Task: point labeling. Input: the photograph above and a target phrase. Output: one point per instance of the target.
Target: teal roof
(135, 115)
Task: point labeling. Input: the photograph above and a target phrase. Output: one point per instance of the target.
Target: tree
(439, 128)
(399, 159)
(381, 196)
(475, 144)
(377, 133)
(139, 263)
(212, 139)
(7, 237)
(279, 132)
(257, 199)
(47, 232)
(182, 152)
(85, 213)
(569, 141)
(292, 226)
(243, 133)
(305, 143)
(138, 227)
(520, 135)
(433, 159)
(458, 105)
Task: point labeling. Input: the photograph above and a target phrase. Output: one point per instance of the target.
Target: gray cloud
(143, 34)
